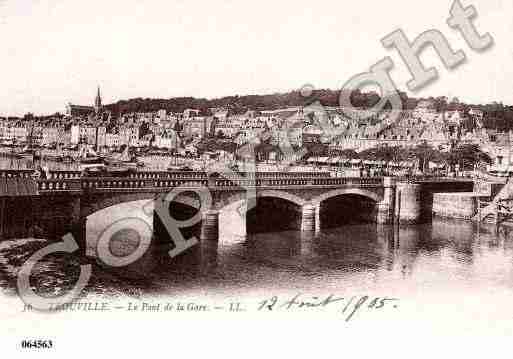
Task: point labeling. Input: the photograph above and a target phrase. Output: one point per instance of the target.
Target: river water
(437, 258)
(452, 267)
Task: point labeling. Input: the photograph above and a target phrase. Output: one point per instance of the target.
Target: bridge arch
(346, 206)
(243, 196)
(219, 201)
(349, 191)
(182, 208)
(94, 206)
(282, 195)
(261, 213)
(111, 201)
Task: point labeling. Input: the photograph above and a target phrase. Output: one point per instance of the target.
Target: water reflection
(439, 256)
(439, 252)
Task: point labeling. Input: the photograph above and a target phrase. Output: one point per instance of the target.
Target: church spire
(98, 101)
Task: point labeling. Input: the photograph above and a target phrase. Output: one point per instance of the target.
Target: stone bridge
(294, 199)
(276, 201)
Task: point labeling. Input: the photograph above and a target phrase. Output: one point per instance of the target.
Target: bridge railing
(432, 178)
(85, 183)
(260, 182)
(64, 174)
(204, 175)
(50, 185)
(167, 175)
(67, 181)
(113, 183)
(298, 182)
(276, 175)
(132, 183)
(16, 173)
(27, 173)
(348, 181)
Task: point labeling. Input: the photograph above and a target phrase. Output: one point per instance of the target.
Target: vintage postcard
(256, 178)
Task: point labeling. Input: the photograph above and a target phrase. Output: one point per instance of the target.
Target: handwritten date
(349, 306)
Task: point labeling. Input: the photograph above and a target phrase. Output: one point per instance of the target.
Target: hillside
(496, 116)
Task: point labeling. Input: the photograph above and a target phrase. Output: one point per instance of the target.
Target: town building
(81, 111)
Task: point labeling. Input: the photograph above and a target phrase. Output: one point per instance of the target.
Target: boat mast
(31, 134)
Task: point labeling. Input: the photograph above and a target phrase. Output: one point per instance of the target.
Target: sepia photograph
(248, 179)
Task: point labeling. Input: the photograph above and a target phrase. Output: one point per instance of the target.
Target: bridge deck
(131, 184)
(75, 182)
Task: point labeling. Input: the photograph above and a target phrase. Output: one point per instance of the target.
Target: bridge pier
(385, 208)
(310, 218)
(79, 233)
(317, 218)
(384, 213)
(210, 225)
(78, 227)
(408, 208)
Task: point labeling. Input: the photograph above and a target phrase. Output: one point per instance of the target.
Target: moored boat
(89, 157)
(124, 160)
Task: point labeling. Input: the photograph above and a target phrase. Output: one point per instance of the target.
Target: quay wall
(455, 205)
(414, 201)
(429, 189)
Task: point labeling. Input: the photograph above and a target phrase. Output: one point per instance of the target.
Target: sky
(58, 51)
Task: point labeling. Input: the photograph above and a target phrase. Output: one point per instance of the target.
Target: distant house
(312, 134)
(75, 134)
(168, 138)
(199, 126)
(112, 139)
(78, 110)
(190, 113)
(52, 134)
(424, 108)
(129, 135)
(145, 140)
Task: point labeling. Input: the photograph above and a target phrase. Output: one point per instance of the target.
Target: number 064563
(36, 344)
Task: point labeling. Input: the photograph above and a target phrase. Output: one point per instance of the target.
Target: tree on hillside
(467, 155)
(212, 145)
(344, 153)
(263, 150)
(385, 153)
(425, 153)
(316, 149)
